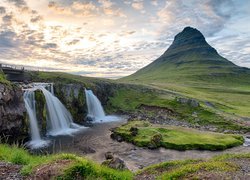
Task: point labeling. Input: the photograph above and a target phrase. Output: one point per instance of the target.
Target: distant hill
(190, 58)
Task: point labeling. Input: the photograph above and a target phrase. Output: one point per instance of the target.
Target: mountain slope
(190, 58)
(190, 66)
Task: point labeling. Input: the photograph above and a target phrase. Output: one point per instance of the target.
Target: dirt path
(96, 141)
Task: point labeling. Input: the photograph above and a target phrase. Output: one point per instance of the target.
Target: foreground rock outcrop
(12, 111)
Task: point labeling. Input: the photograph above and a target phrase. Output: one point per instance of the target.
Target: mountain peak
(188, 56)
(190, 39)
(188, 33)
(189, 36)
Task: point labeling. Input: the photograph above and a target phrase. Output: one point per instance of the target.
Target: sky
(115, 38)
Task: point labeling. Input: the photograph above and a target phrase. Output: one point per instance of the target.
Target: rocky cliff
(12, 112)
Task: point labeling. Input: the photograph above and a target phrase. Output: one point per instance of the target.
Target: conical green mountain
(190, 59)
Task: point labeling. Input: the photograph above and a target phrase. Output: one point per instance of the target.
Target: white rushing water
(36, 140)
(59, 120)
(95, 109)
(247, 141)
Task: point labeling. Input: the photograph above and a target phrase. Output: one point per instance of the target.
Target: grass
(3, 79)
(204, 76)
(185, 168)
(65, 78)
(129, 100)
(176, 137)
(80, 167)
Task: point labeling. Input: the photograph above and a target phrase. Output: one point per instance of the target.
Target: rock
(12, 112)
(117, 137)
(141, 166)
(156, 139)
(87, 150)
(133, 131)
(194, 114)
(152, 146)
(89, 118)
(209, 104)
(191, 102)
(109, 155)
(194, 103)
(115, 163)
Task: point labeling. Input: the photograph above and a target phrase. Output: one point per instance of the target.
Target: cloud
(50, 46)
(7, 19)
(2, 10)
(19, 3)
(36, 19)
(108, 38)
(106, 3)
(178, 14)
(138, 5)
(154, 2)
(7, 39)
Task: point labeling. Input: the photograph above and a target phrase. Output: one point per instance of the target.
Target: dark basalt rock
(12, 112)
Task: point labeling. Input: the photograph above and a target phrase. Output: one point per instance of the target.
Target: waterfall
(29, 100)
(59, 120)
(95, 109)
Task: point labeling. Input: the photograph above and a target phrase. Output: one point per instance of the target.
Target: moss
(176, 137)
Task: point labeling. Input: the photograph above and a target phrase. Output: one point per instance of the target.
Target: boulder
(117, 137)
(109, 155)
(115, 163)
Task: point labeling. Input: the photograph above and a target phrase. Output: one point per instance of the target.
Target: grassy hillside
(193, 68)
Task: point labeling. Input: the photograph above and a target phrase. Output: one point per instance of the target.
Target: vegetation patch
(225, 165)
(153, 136)
(3, 79)
(78, 168)
(130, 100)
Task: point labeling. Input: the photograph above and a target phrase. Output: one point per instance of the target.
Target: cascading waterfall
(59, 120)
(29, 100)
(95, 109)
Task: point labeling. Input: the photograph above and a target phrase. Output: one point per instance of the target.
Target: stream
(95, 141)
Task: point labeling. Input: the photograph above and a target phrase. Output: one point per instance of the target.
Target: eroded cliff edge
(12, 112)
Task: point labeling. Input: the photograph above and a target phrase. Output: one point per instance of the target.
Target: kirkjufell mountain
(191, 58)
